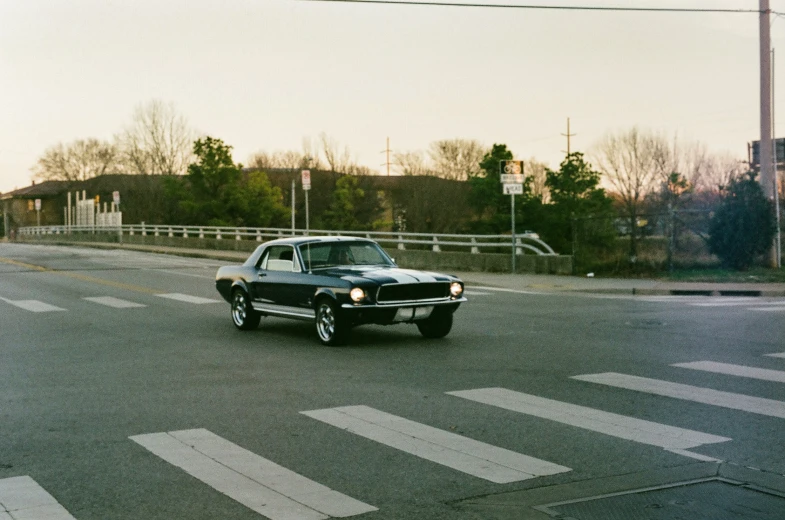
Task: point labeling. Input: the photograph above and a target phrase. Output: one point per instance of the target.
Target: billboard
(779, 152)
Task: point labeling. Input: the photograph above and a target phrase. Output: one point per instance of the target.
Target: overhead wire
(432, 3)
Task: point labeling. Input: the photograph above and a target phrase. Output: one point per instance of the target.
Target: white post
(401, 245)
(475, 249)
(436, 247)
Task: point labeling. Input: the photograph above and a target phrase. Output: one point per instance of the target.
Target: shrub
(743, 226)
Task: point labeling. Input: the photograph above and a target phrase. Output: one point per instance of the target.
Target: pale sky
(264, 74)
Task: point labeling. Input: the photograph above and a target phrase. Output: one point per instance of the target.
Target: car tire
(331, 329)
(437, 325)
(244, 316)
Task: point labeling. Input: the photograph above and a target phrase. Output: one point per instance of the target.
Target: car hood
(385, 275)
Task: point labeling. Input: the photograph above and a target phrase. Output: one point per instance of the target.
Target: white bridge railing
(433, 241)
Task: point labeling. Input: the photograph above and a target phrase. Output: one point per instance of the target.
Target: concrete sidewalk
(520, 282)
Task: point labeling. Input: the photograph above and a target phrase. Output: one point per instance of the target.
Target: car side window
(280, 258)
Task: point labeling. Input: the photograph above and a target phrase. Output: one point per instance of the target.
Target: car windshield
(331, 254)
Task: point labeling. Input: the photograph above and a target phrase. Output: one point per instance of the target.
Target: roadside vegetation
(636, 203)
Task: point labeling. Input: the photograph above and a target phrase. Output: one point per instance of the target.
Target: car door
(276, 288)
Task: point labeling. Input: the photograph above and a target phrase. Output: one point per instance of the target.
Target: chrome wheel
(329, 327)
(243, 315)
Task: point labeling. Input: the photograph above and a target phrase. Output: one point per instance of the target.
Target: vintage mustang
(337, 283)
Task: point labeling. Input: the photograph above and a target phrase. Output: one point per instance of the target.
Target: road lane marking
(501, 289)
(448, 449)
(206, 277)
(188, 298)
(259, 484)
(746, 403)
(778, 308)
(22, 264)
(733, 302)
(667, 437)
(22, 498)
(777, 376)
(476, 293)
(116, 303)
(779, 355)
(33, 305)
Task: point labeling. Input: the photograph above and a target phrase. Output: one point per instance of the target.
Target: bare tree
(159, 141)
(412, 163)
(634, 162)
(720, 170)
(536, 170)
(308, 159)
(341, 161)
(456, 159)
(77, 161)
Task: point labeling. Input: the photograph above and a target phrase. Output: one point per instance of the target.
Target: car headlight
(456, 289)
(357, 295)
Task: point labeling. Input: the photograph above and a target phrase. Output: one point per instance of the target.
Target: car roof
(299, 240)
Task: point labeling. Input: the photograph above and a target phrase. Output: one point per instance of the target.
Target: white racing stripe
(257, 483)
(448, 449)
(21, 498)
(188, 298)
(667, 437)
(116, 303)
(777, 376)
(746, 403)
(33, 305)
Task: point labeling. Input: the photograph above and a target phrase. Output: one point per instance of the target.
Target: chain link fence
(663, 241)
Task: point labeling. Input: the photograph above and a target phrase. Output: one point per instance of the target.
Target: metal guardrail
(435, 241)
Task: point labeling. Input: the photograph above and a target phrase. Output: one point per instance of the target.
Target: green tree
(347, 198)
(217, 192)
(576, 199)
(743, 226)
(491, 205)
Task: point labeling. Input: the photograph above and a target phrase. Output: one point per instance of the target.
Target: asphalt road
(81, 379)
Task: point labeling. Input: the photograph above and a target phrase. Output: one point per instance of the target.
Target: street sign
(38, 204)
(512, 178)
(513, 189)
(306, 179)
(511, 167)
(116, 197)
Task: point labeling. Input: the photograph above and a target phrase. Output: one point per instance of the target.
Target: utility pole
(568, 135)
(778, 237)
(387, 151)
(766, 156)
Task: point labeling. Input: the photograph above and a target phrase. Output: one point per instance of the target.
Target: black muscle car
(337, 283)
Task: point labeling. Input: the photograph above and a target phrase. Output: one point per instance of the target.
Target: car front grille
(412, 292)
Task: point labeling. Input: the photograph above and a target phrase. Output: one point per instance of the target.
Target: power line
(548, 7)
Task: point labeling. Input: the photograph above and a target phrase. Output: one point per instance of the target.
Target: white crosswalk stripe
(116, 303)
(777, 376)
(448, 449)
(21, 498)
(259, 484)
(667, 437)
(33, 305)
(747, 403)
(188, 298)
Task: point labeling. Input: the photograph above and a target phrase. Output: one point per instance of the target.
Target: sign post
(306, 180)
(512, 185)
(116, 200)
(38, 213)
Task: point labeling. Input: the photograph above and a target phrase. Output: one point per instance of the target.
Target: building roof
(44, 189)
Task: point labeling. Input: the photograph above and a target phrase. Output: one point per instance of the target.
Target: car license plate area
(413, 313)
